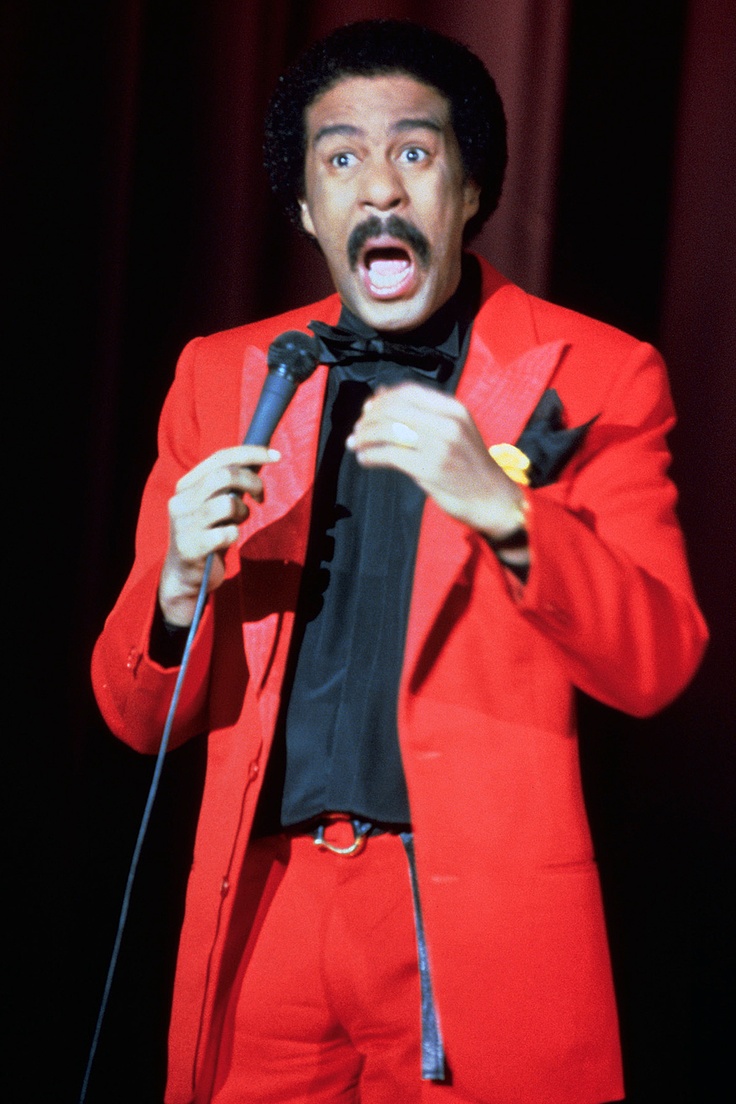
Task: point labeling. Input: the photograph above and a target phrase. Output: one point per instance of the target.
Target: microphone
(292, 357)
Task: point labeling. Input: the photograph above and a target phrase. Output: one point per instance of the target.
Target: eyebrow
(419, 124)
(350, 131)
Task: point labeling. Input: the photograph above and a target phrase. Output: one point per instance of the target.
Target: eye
(413, 154)
(343, 160)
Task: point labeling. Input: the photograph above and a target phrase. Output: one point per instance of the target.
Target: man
(404, 905)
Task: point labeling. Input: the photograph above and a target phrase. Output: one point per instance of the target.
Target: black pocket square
(546, 442)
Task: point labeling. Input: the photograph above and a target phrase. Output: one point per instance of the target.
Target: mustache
(395, 227)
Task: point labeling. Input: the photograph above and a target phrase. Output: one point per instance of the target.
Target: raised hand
(432, 438)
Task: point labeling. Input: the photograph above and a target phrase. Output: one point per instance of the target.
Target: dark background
(137, 216)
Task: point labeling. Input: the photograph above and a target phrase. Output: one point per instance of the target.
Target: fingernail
(274, 454)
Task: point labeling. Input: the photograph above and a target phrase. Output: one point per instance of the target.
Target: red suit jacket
(486, 720)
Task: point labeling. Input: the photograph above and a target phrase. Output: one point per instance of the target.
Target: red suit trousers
(325, 1008)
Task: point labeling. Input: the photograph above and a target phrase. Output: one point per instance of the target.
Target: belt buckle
(360, 834)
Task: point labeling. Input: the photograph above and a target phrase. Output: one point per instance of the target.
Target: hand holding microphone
(209, 505)
(205, 511)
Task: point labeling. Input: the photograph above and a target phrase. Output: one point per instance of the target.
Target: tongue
(385, 272)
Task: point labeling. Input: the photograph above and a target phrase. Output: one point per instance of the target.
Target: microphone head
(293, 354)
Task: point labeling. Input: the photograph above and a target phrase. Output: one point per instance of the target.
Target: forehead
(378, 103)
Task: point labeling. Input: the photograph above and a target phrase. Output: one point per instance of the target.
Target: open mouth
(387, 271)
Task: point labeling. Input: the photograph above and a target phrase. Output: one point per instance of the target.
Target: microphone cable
(153, 790)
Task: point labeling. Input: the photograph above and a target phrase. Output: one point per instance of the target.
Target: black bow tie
(341, 346)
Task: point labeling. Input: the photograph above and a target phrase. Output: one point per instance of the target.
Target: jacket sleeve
(132, 690)
(609, 584)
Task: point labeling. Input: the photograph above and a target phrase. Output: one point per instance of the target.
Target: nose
(382, 185)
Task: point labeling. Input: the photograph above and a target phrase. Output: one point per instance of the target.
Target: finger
(215, 524)
(225, 509)
(406, 414)
(245, 457)
(405, 398)
(381, 455)
(386, 432)
(402, 425)
(233, 479)
(187, 523)
(230, 479)
(198, 544)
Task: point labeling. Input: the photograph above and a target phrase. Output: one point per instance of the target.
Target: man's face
(386, 197)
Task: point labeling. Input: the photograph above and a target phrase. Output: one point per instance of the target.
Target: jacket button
(253, 771)
(225, 887)
(133, 657)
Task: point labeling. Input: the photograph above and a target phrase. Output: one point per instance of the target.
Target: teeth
(387, 273)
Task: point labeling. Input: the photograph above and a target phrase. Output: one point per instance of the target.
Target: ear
(306, 218)
(471, 198)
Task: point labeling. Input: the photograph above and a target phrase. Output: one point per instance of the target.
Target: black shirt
(336, 745)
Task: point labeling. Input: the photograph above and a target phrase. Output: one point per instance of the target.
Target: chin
(394, 314)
